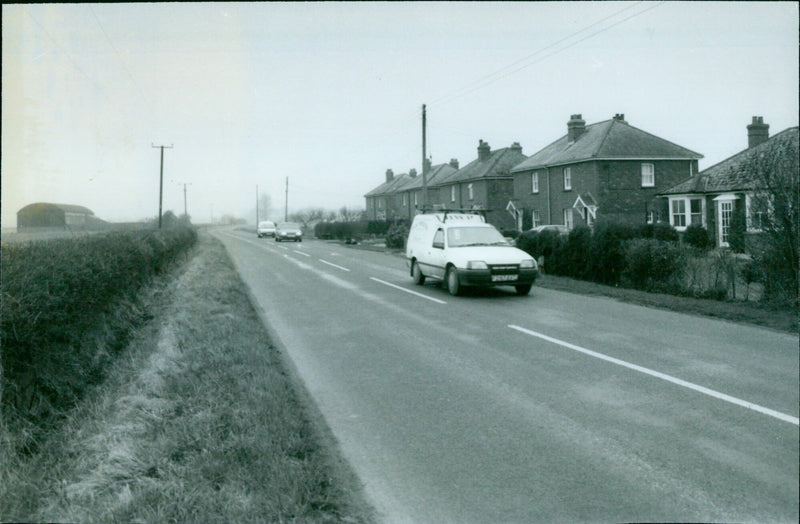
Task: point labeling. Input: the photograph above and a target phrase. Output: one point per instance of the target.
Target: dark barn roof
(66, 208)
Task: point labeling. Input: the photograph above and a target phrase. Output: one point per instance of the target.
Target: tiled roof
(391, 186)
(611, 139)
(499, 163)
(436, 173)
(731, 174)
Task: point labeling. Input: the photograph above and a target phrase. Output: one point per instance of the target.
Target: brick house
(485, 183)
(609, 169)
(384, 202)
(401, 195)
(719, 195)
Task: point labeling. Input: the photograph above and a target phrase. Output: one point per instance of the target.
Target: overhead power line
(507, 71)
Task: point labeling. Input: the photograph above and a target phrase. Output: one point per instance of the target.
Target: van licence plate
(503, 278)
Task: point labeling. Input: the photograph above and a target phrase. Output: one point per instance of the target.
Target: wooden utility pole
(256, 206)
(424, 171)
(185, 213)
(161, 182)
(286, 202)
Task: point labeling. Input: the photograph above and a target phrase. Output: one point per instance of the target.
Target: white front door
(724, 217)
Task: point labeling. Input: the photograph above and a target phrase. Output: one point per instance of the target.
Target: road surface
(552, 407)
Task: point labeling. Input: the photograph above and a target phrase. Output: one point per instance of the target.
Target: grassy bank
(197, 421)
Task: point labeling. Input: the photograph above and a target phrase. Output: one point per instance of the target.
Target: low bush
(397, 235)
(660, 231)
(61, 319)
(653, 265)
(607, 255)
(697, 237)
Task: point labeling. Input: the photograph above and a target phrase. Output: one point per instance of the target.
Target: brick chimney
(516, 148)
(575, 127)
(620, 117)
(389, 175)
(454, 163)
(412, 173)
(483, 151)
(757, 132)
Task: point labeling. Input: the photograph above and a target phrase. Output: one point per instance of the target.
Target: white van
(461, 250)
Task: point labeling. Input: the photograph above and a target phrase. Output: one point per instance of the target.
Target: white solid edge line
(304, 254)
(334, 265)
(408, 291)
(706, 391)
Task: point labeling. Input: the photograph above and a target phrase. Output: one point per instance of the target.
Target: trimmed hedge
(62, 318)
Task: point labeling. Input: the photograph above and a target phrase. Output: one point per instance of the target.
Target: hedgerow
(67, 307)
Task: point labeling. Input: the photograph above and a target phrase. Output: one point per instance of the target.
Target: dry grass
(197, 422)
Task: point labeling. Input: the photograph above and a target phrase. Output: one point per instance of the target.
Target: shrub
(653, 265)
(397, 235)
(660, 231)
(578, 252)
(608, 251)
(697, 237)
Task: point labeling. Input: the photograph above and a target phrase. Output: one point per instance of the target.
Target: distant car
(288, 231)
(558, 228)
(266, 229)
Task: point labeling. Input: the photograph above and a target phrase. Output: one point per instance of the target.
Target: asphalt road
(552, 407)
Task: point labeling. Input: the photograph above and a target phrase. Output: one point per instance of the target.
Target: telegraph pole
(424, 171)
(184, 202)
(256, 206)
(286, 202)
(161, 181)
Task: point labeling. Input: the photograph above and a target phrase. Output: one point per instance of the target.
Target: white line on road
(304, 254)
(408, 291)
(334, 265)
(710, 392)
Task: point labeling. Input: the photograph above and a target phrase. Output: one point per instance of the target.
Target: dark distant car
(266, 229)
(288, 231)
(558, 228)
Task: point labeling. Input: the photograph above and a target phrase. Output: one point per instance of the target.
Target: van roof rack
(446, 211)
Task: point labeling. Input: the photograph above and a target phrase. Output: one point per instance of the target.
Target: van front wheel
(453, 285)
(416, 274)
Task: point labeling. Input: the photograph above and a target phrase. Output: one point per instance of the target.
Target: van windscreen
(474, 236)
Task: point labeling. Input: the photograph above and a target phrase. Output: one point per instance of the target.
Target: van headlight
(528, 263)
(477, 264)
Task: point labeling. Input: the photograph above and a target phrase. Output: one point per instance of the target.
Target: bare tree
(350, 214)
(775, 210)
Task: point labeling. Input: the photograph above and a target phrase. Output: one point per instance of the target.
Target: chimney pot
(575, 127)
(389, 175)
(454, 163)
(516, 147)
(412, 173)
(483, 150)
(757, 132)
(620, 117)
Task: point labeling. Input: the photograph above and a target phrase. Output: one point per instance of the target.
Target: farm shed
(63, 216)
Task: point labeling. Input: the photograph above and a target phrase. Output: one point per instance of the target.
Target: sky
(329, 95)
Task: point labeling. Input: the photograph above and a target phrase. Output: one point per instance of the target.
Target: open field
(198, 420)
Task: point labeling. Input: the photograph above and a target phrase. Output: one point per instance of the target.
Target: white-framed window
(452, 193)
(415, 197)
(725, 220)
(685, 211)
(648, 175)
(568, 217)
(535, 220)
(652, 217)
(405, 199)
(758, 208)
(380, 203)
(470, 191)
(567, 178)
(535, 182)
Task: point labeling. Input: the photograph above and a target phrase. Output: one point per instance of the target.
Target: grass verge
(197, 421)
(742, 312)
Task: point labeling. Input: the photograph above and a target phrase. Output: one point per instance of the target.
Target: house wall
(622, 198)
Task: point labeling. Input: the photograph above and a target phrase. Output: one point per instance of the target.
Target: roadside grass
(735, 311)
(197, 421)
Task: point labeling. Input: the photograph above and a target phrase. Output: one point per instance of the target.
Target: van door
(436, 254)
